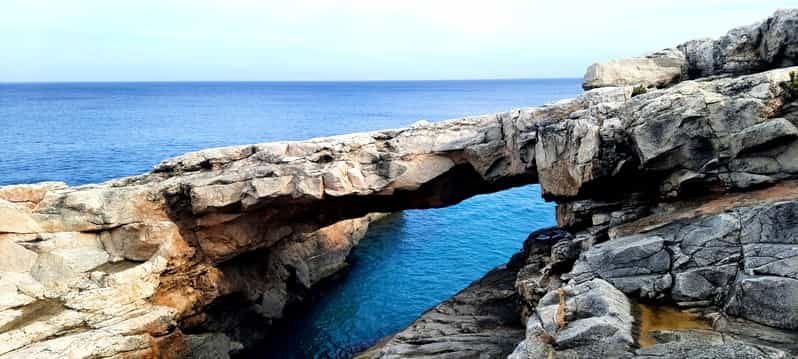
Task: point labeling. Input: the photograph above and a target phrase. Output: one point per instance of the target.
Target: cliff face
(676, 217)
(680, 195)
(748, 49)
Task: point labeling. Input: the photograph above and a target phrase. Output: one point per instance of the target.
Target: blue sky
(299, 40)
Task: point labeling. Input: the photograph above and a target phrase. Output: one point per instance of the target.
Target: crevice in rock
(39, 310)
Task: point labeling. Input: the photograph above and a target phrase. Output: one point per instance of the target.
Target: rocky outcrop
(260, 286)
(699, 260)
(742, 260)
(678, 200)
(480, 321)
(657, 69)
(588, 320)
(234, 222)
(680, 196)
(65, 289)
(769, 44)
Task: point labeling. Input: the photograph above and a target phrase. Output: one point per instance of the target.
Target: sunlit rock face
(688, 186)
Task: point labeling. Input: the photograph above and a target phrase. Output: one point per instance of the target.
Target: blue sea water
(91, 132)
(408, 263)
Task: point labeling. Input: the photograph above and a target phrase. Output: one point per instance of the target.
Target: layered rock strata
(681, 196)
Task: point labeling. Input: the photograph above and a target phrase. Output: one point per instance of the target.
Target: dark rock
(481, 321)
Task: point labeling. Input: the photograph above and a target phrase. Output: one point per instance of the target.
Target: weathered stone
(15, 258)
(585, 320)
(28, 194)
(136, 241)
(770, 44)
(706, 345)
(767, 300)
(665, 196)
(16, 218)
(760, 135)
(635, 264)
(704, 257)
(480, 321)
(65, 255)
(653, 70)
(566, 155)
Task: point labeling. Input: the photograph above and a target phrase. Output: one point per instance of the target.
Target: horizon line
(281, 81)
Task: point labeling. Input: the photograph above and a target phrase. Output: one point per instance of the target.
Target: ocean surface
(91, 132)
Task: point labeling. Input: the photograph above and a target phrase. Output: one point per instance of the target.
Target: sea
(83, 133)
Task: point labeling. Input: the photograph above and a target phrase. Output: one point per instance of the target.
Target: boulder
(658, 69)
(590, 319)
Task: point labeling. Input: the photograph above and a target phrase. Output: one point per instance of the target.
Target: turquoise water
(91, 132)
(408, 263)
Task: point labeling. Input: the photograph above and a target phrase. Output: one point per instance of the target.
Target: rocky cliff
(677, 216)
(680, 196)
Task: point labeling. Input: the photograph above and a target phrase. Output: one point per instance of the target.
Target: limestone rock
(16, 218)
(28, 194)
(137, 242)
(633, 264)
(706, 345)
(770, 44)
(15, 258)
(684, 194)
(741, 260)
(591, 319)
(657, 69)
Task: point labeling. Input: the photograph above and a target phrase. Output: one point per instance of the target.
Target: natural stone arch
(133, 262)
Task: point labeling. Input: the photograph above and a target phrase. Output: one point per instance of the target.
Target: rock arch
(132, 264)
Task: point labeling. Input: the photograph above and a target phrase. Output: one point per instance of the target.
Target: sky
(304, 40)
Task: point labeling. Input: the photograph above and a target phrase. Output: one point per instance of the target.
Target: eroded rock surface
(742, 260)
(769, 44)
(480, 321)
(682, 198)
(683, 195)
